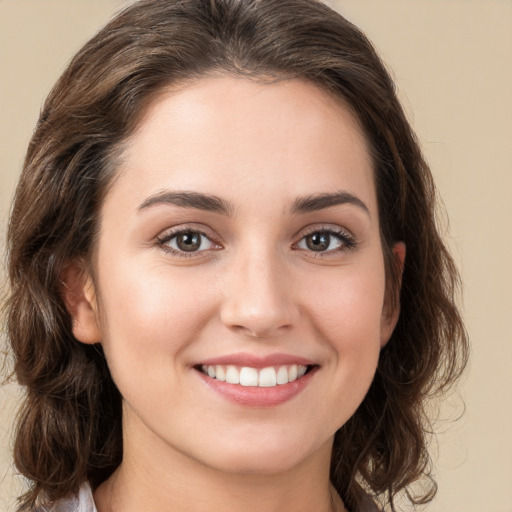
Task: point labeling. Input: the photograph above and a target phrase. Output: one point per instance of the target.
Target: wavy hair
(69, 427)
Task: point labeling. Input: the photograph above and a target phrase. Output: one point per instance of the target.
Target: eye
(326, 240)
(186, 242)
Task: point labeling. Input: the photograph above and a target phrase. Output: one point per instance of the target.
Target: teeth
(268, 378)
(282, 375)
(220, 373)
(247, 376)
(232, 375)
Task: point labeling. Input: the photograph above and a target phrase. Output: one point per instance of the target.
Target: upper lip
(256, 361)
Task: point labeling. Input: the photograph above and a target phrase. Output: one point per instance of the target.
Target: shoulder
(82, 502)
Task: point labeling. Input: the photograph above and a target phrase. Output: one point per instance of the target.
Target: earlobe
(390, 318)
(78, 293)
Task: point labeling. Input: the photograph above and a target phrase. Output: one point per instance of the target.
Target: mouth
(247, 376)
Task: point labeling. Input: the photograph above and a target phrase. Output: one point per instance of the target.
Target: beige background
(452, 63)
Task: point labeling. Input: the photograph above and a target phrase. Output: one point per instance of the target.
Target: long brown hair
(69, 428)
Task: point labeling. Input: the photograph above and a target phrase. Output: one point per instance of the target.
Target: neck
(154, 477)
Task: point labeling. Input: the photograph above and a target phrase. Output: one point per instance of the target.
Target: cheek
(347, 317)
(350, 302)
(151, 313)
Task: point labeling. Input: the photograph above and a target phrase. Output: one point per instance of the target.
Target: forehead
(226, 134)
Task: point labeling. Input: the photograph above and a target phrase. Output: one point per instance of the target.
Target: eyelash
(166, 239)
(347, 240)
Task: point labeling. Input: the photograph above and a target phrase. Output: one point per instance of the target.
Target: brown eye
(326, 241)
(318, 241)
(187, 242)
(322, 241)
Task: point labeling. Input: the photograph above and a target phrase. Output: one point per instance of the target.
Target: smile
(257, 381)
(268, 377)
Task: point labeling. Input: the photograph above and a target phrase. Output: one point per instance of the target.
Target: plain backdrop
(452, 63)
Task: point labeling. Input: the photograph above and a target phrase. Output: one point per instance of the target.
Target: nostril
(261, 332)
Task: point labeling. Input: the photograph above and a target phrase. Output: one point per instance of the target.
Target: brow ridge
(315, 202)
(198, 200)
(212, 203)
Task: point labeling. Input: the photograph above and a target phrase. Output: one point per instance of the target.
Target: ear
(390, 318)
(79, 295)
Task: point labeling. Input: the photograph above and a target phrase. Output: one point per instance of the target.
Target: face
(240, 279)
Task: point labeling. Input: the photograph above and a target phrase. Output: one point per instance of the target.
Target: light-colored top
(82, 502)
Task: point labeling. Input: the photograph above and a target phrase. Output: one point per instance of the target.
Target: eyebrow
(206, 202)
(212, 203)
(316, 202)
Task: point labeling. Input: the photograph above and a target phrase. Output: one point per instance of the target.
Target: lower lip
(255, 396)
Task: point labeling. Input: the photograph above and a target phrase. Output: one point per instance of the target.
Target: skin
(254, 286)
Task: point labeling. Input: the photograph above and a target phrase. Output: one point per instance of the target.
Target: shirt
(82, 502)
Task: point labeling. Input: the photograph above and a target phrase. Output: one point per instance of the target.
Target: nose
(258, 299)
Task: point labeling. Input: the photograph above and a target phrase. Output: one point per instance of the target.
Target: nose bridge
(258, 299)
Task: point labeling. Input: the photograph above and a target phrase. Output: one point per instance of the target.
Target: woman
(228, 290)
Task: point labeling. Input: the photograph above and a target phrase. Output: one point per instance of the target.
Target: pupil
(318, 241)
(188, 241)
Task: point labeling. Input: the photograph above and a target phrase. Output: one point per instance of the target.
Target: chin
(266, 457)
(248, 464)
